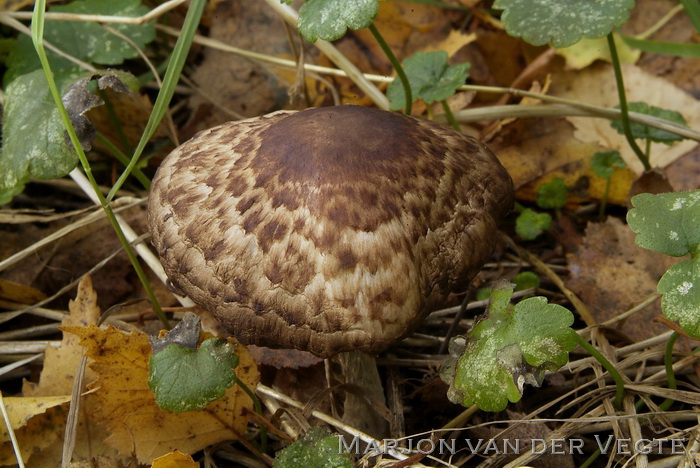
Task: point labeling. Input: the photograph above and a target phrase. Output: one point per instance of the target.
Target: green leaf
(430, 76)
(663, 47)
(604, 163)
(529, 224)
(552, 194)
(86, 41)
(511, 347)
(667, 222)
(34, 142)
(318, 448)
(186, 379)
(330, 19)
(562, 22)
(680, 302)
(644, 131)
(526, 280)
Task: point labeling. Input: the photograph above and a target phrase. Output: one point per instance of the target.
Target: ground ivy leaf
(642, 131)
(87, 41)
(186, 379)
(430, 76)
(562, 22)
(33, 134)
(552, 194)
(330, 19)
(666, 222)
(604, 163)
(680, 302)
(318, 448)
(511, 348)
(529, 224)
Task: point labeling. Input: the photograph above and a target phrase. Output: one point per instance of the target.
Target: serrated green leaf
(186, 379)
(330, 19)
(604, 163)
(666, 222)
(552, 194)
(86, 41)
(34, 143)
(529, 224)
(680, 302)
(642, 131)
(562, 22)
(509, 349)
(318, 448)
(430, 76)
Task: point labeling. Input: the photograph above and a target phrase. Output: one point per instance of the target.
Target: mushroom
(329, 229)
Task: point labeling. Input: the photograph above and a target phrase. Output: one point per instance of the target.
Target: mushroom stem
(363, 409)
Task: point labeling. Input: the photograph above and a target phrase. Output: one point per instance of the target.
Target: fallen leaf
(611, 274)
(35, 422)
(586, 51)
(174, 459)
(596, 86)
(128, 408)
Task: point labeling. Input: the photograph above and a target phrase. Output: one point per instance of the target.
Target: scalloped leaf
(562, 22)
(511, 347)
(680, 302)
(552, 194)
(330, 19)
(430, 76)
(186, 379)
(604, 163)
(667, 222)
(529, 224)
(646, 132)
(317, 448)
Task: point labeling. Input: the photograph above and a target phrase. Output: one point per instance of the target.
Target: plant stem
(258, 409)
(450, 116)
(397, 66)
(170, 80)
(623, 104)
(124, 159)
(604, 201)
(37, 38)
(619, 383)
(668, 363)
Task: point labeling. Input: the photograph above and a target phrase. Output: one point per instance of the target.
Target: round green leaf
(552, 194)
(642, 131)
(529, 224)
(680, 287)
(430, 76)
(330, 19)
(318, 448)
(667, 222)
(186, 379)
(562, 22)
(509, 348)
(604, 163)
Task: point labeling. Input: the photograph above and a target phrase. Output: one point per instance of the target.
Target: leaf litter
(595, 263)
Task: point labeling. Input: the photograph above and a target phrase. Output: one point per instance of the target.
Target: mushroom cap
(329, 229)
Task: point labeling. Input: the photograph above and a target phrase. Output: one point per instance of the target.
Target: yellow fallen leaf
(34, 421)
(586, 51)
(127, 405)
(596, 85)
(175, 459)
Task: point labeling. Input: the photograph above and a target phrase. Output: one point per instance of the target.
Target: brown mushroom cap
(329, 229)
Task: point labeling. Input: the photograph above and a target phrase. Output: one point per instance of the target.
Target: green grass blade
(692, 8)
(664, 47)
(172, 76)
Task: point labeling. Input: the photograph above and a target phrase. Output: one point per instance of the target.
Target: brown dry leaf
(60, 366)
(35, 422)
(131, 109)
(535, 150)
(596, 86)
(611, 274)
(128, 408)
(175, 459)
(61, 363)
(20, 293)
